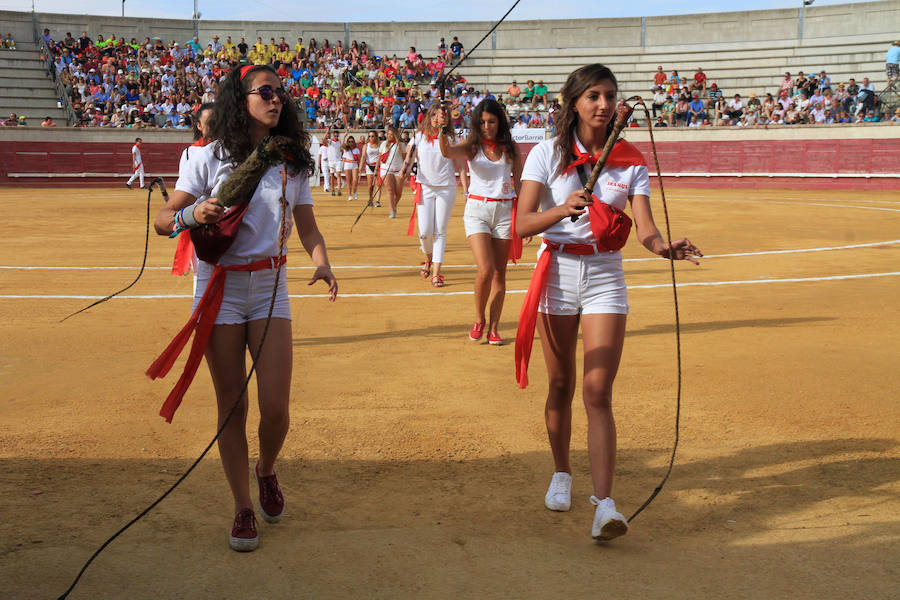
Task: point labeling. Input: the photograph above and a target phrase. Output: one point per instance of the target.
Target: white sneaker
(559, 494)
(608, 523)
(393, 214)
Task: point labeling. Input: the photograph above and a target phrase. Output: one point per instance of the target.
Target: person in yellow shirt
(260, 47)
(229, 46)
(272, 48)
(299, 46)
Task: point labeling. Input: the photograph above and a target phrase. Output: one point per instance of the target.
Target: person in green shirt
(528, 92)
(668, 110)
(540, 94)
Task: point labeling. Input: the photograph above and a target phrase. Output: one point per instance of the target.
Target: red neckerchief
(623, 154)
(489, 144)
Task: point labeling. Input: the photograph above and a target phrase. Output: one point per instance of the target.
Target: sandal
(437, 281)
(426, 270)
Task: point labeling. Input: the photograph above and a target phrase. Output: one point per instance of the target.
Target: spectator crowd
(802, 99)
(112, 82)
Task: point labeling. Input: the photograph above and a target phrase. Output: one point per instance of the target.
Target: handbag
(609, 225)
(213, 240)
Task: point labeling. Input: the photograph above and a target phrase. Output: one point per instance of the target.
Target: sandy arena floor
(415, 467)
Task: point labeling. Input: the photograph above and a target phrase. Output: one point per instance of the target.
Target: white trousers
(433, 216)
(136, 174)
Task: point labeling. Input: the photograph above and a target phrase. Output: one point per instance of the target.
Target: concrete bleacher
(26, 87)
(737, 67)
(25, 84)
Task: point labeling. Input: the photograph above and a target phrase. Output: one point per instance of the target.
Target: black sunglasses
(267, 92)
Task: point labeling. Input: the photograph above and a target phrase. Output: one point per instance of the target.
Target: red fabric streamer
(184, 252)
(202, 321)
(515, 247)
(528, 316)
(417, 199)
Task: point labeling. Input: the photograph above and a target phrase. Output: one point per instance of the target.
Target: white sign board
(528, 136)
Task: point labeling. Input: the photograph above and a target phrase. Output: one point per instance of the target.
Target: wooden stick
(623, 112)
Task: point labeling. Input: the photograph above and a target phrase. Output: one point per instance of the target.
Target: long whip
(662, 194)
(162, 185)
(623, 113)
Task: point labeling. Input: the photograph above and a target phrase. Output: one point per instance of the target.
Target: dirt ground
(415, 467)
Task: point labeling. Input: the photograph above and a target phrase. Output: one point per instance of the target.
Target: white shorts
(384, 172)
(247, 294)
(493, 217)
(351, 166)
(592, 284)
(336, 167)
(370, 168)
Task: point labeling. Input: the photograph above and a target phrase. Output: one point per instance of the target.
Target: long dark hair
(195, 122)
(578, 81)
(229, 124)
(504, 137)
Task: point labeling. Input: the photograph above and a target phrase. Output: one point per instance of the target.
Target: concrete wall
(733, 27)
(852, 157)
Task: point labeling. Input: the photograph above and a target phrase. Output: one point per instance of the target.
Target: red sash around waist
(515, 248)
(202, 321)
(528, 316)
(417, 199)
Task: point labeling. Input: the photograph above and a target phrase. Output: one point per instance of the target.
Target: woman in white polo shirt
(436, 175)
(579, 278)
(495, 167)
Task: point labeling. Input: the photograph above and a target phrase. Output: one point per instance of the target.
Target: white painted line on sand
(521, 264)
(465, 293)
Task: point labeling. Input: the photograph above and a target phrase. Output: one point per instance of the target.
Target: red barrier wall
(58, 158)
(810, 163)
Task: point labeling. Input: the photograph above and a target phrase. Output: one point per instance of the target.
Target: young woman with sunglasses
(370, 156)
(580, 282)
(390, 163)
(350, 157)
(436, 176)
(251, 105)
(495, 167)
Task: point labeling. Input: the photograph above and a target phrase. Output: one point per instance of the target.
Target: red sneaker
(244, 537)
(271, 500)
(476, 332)
(494, 339)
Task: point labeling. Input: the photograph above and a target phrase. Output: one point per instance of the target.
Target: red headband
(245, 70)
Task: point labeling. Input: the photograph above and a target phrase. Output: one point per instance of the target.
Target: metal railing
(62, 97)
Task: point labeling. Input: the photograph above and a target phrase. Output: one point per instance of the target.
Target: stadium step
(22, 91)
(20, 104)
